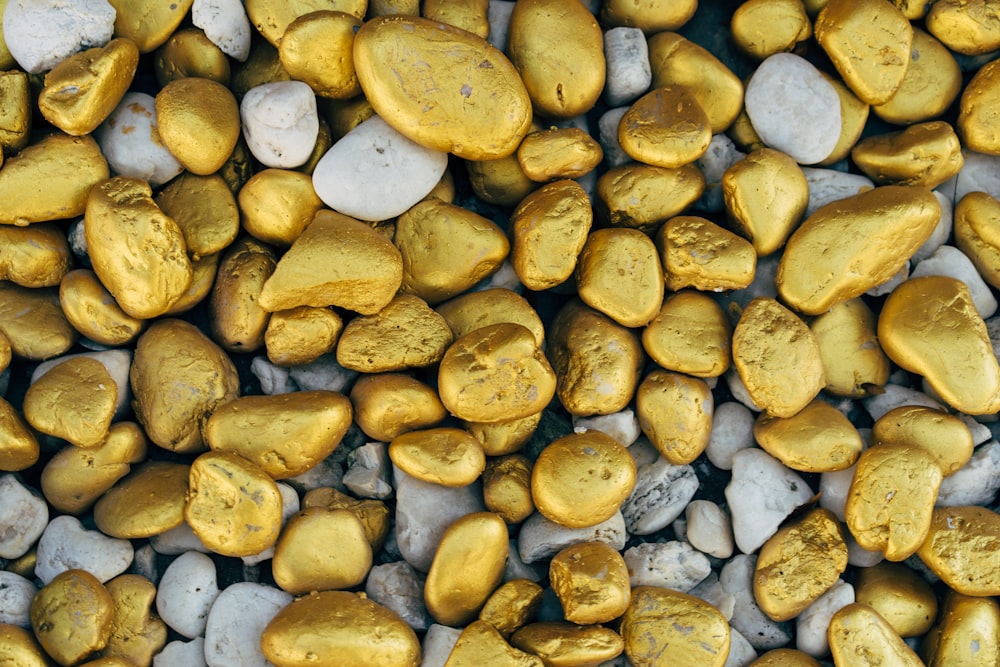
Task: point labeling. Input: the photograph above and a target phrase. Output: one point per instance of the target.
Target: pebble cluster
(548, 333)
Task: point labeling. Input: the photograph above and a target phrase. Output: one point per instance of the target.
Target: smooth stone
(130, 141)
(607, 129)
(858, 556)
(289, 507)
(423, 513)
(793, 108)
(629, 73)
(732, 431)
(182, 654)
(235, 622)
(42, 33)
(710, 590)
(709, 528)
(327, 472)
(368, 471)
(950, 261)
(179, 539)
(226, 25)
(812, 623)
(741, 652)
(375, 173)
(979, 173)
(720, 156)
(186, 592)
(894, 396)
(16, 594)
(975, 483)
(23, 517)
(980, 432)
(834, 488)
(674, 565)
(397, 586)
(736, 578)
(67, 545)
(942, 231)
(280, 123)
(540, 538)
(273, 379)
(661, 493)
(116, 362)
(518, 569)
(830, 185)
(761, 495)
(440, 639)
(324, 373)
(739, 390)
(623, 426)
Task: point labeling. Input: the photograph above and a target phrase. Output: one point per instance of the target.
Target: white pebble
(793, 108)
(23, 516)
(979, 173)
(892, 283)
(739, 390)
(761, 494)
(424, 511)
(980, 432)
(116, 362)
(741, 652)
(225, 24)
(498, 16)
(674, 565)
(737, 580)
(238, 616)
(368, 471)
(42, 33)
(858, 556)
(280, 123)
(812, 624)
(515, 568)
(67, 545)
(540, 538)
(178, 540)
(144, 563)
(661, 493)
(942, 230)
(829, 185)
(710, 590)
(182, 654)
(709, 528)
(952, 262)
(16, 594)
(505, 278)
(398, 587)
(622, 426)
(375, 173)
(607, 132)
(186, 593)
(629, 73)
(833, 489)
(643, 452)
(732, 431)
(130, 141)
(440, 639)
(324, 373)
(894, 396)
(975, 483)
(289, 507)
(273, 379)
(327, 472)
(720, 156)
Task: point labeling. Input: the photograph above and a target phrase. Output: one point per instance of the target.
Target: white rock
(375, 173)
(980, 432)
(732, 431)
(975, 483)
(737, 580)
(424, 511)
(273, 379)
(643, 452)
(368, 469)
(761, 494)
(280, 123)
(179, 539)
(892, 283)
(979, 173)
(182, 654)
(833, 489)
(515, 568)
(622, 426)
(225, 24)
(505, 277)
(23, 517)
(720, 156)
(950, 261)
(763, 284)
(680, 526)
(540, 539)
(498, 16)
(289, 507)
(739, 390)
(741, 652)
(830, 185)
(811, 625)
(607, 129)
(67, 545)
(324, 373)
(710, 590)
(235, 621)
(16, 594)
(629, 74)
(674, 565)
(793, 108)
(130, 141)
(186, 593)
(709, 528)
(144, 563)
(327, 472)
(894, 396)
(661, 493)
(858, 556)
(116, 362)
(440, 639)
(397, 586)
(42, 33)
(942, 230)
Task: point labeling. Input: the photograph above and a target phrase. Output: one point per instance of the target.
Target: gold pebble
(853, 360)
(899, 595)
(967, 633)
(507, 487)
(499, 181)
(977, 219)
(74, 400)
(205, 210)
(189, 53)
(445, 456)
(582, 479)
(238, 322)
(33, 322)
(944, 436)
(662, 627)
(497, 305)
(642, 197)
(470, 15)
(480, 645)
(666, 127)
(931, 83)
(958, 549)
(977, 117)
(72, 616)
(93, 311)
(675, 413)
(276, 205)
(512, 606)
(690, 335)
(925, 154)
(699, 253)
(373, 514)
(137, 633)
(859, 636)
(404, 334)
(761, 28)
(556, 153)
(619, 273)
(819, 438)
(853, 119)
(19, 647)
(15, 118)
(785, 657)
(329, 70)
(650, 17)
(199, 123)
(148, 502)
(970, 28)
(301, 335)
(591, 581)
(344, 561)
(390, 404)
(564, 644)
(504, 437)
(148, 26)
(19, 448)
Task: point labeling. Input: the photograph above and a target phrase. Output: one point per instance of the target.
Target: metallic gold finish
(344, 560)
(199, 122)
(148, 25)
(445, 456)
(969, 28)
(691, 335)
(20, 448)
(74, 400)
(697, 253)
(72, 616)
(301, 335)
(473, 310)
(373, 514)
(468, 15)
(205, 210)
(819, 438)
(761, 28)
(19, 647)
(852, 358)
(480, 645)
(967, 633)
(666, 127)
(785, 657)
(959, 537)
(977, 117)
(662, 627)
(15, 117)
(148, 502)
(137, 633)
(556, 153)
(548, 229)
(404, 334)
(931, 83)
(504, 437)
(272, 17)
(238, 322)
(562, 644)
(189, 53)
(390, 404)
(642, 197)
(899, 595)
(92, 311)
(675, 412)
(591, 581)
(925, 154)
(512, 606)
(650, 17)
(317, 48)
(766, 195)
(619, 274)
(853, 118)
(507, 488)
(977, 233)
(499, 181)
(277, 204)
(35, 256)
(859, 636)
(33, 323)
(944, 436)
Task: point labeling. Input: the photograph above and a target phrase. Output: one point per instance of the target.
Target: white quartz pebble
(709, 529)
(289, 507)
(793, 108)
(950, 261)
(674, 565)
(858, 556)
(741, 652)
(892, 283)
(440, 639)
(235, 621)
(762, 633)
(16, 594)
(607, 132)
(398, 587)
(116, 362)
(424, 511)
(643, 452)
(178, 540)
(42, 33)
(739, 390)
(833, 489)
(661, 493)
(720, 156)
(186, 593)
(23, 516)
(375, 173)
(710, 590)
(225, 24)
(324, 373)
(515, 568)
(498, 16)
(130, 141)
(629, 74)
(541, 538)
(67, 545)
(273, 379)
(894, 396)
(761, 494)
(368, 471)
(942, 230)
(182, 654)
(732, 431)
(979, 173)
(980, 432)
(975, 483)
(327, 472)
(829, 185)
(280, 123)
(812, 624)
(622, 426)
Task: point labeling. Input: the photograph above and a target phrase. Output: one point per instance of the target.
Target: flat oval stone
(446, 456)
(299, 567)
(819, 438)
(442, 87)
(148, 502)
(74, 401)
(663, 627)
(858, 630)
(666, 127)
(957, 549)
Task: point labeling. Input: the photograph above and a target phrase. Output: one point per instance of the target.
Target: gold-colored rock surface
(853, 118)
(819, 438)
(853, 361)
(445, 456)
(666, 127)
(373, 514)
(618, 273)
(698, 253)
(591, 581)
(390, 404)
(925, 154)
(650, 17)
(19, 647)
(404, 334)
(970, 28)
(20, 448)
(93, 311)
(859, 636)
(931, 83)
(497, 305)
(957, 549)
(944, 436)
(761, 28)
(199, 123)
(75, 400)
(548, 230)
(299, 566)
(977, 233)
(190, 53)
(15, 118)
(512, 606)
(480, 645)
(500, 180)
(147, 25)
(205, 210)
(35, 256)
(504, 437)
(71, 616)
(468, 15)
(662, 627)
(642, 197)
(563, 644)
(277, 204)
(238, 322)
(301, 335)
(899, 595)
(675, 413)
(137, 633)
(785, 657)
(148, 502)
(977, 117)
(329, 71)
(690, 335)
(547, 155)
(33, 323)
(967, 633)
